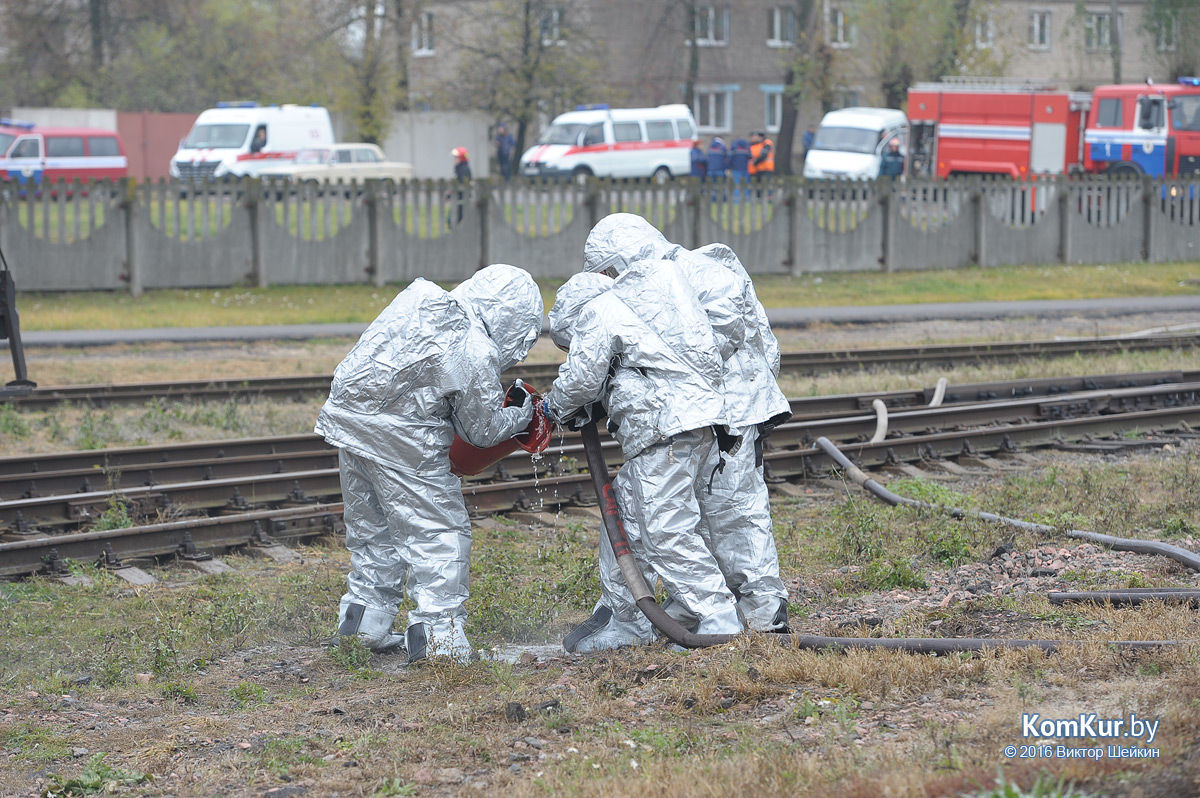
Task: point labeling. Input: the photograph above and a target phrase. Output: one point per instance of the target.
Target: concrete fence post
(791, 208)
(890, 207)
(1149, 190)
(253, 192)
(1064, 218)
(485, 205)
(591, 202)
(374, 267)
(979, 200)
(133, 267)
(697, 207)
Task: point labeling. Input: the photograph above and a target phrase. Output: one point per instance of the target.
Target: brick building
(737, 53)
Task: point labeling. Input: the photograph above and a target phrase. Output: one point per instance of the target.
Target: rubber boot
(603, 632)
(373, 627)
(443, 638)
(764, 613)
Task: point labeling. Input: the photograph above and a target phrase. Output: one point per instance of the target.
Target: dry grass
(239, 698)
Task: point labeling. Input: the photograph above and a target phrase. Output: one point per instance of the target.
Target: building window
(552, 17)
(711, 26)
(1039, 30)
(1097, 32)
(781, 27)
(846, 96)
(1167, 30)
(422, 34)
(841, 32)
(774, 109)
(985, 31)
(713, 111)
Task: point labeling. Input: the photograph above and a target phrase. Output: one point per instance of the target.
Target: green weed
(33, 744)
(11, 422)
(1044, 787)
(247, 695)
(281, 754)
(665, 742)
(97, 777)
(116, 515)
(179, 692)
(351, 653)
(889, 573)
(396, 787)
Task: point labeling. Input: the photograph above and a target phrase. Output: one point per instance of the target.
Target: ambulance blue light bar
(1189, 81)
(593, 107)
(9, 122)
(237, 104)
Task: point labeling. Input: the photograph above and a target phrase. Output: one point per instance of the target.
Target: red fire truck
(992, 127)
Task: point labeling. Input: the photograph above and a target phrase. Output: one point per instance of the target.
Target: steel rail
(80, 472)
(815, 361)
(256, 487)
(28, 516)
(551, 492)
(188, 538)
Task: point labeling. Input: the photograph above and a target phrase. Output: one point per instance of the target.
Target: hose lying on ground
(1129, 597)
(1183, 556)
(676, 633)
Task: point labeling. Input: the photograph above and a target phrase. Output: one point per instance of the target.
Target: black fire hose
(676, 633)
(1182, 556)
(1130, 597)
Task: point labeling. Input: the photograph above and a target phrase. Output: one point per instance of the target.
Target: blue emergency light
(1189, 81)
(8, 122)
(237, 104)
(593, 107)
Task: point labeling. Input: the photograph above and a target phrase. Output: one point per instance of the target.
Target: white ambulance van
(614, 142)
(240, 139)
(850, 143)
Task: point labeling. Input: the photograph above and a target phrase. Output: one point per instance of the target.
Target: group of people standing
(672, 345)
(741, 159)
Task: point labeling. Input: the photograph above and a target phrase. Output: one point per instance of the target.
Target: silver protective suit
(428, 367)
(737, 514)
(645, 348)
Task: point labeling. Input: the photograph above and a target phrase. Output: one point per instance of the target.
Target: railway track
(812, 362)
(36, 475)
(38, 528)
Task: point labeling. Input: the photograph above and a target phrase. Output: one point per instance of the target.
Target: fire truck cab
(1135, 129)
(976, 126)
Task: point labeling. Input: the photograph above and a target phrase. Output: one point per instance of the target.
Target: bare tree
(809, 77)
(522, 58)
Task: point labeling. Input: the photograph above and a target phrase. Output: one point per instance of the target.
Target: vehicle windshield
(216, 137)
(313, 156)
(5, 140)
(846, 139)
(1185, 113)
(560, 134)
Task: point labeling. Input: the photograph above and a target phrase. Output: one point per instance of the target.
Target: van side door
(627, 149)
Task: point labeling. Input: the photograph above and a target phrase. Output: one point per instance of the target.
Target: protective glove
(524, 413)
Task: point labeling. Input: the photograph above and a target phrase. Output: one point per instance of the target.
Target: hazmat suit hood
(569, 302)
(620, 239)
(507, 301)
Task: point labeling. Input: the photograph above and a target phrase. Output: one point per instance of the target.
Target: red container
(468, 460)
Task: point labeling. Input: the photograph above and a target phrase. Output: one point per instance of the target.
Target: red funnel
(468, 460)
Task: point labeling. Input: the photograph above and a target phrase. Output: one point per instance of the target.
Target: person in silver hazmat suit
(645, 349)
(738, 513)
(428, 367)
